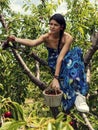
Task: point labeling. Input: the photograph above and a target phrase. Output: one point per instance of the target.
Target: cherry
(8, 114)
(71, 123)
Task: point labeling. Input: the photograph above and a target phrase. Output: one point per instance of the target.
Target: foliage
(82, 18)
(6, 105)
(26, 26)
(34, 118)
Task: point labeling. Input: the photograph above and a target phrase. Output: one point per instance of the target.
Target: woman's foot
(81, 104)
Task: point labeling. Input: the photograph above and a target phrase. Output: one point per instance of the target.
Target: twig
(87, 121)
(2, 20)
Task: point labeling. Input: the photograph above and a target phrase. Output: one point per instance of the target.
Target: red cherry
(71, 123)
(7, 114)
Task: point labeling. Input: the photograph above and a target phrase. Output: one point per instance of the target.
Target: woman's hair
(59, 19)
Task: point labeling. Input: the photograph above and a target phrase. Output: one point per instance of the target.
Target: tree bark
(2, 20)
(26, 70)
(41, 61)
(92, 49)
(37, 70)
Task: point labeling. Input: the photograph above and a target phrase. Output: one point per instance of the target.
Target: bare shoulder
(68, 36)
(45, 36)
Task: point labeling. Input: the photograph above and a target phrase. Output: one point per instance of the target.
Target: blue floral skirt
(72, 75)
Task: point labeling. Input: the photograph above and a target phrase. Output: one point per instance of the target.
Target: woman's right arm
(27, 42)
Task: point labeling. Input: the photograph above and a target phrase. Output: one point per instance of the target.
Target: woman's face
(54, 27)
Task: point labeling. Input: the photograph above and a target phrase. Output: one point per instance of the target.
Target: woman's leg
(74, 83)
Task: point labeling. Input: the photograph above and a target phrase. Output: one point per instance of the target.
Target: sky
(16, 5)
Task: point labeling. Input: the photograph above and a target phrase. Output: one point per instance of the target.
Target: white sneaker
(81, 104)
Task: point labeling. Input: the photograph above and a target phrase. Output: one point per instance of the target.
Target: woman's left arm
(63, 52)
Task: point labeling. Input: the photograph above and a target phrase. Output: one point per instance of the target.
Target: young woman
(66, 65)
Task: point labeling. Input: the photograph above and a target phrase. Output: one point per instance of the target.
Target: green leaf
(67, 127)
(14, 125)
(1, 86)
(81, 30)
(49, 127)
(18, 111)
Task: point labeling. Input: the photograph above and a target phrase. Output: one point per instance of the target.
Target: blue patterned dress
(72, 75)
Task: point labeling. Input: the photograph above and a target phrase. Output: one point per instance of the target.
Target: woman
(66, 65)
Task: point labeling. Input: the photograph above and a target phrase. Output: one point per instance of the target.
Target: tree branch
(27, 71)
(87, 121)
(41, 61)
(92, 49)
(5, 44)
(3, 22)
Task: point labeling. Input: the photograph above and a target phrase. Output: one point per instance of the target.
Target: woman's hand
(55, 84)
(11, 38)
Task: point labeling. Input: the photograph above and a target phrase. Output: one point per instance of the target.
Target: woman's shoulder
(45, 36)
(68, 35)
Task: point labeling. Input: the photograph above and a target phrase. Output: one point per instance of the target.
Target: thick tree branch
(39, 83)
(5, 44)
(92, 49)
